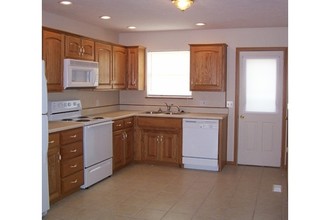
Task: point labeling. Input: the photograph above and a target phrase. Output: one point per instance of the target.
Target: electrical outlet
(230, 104)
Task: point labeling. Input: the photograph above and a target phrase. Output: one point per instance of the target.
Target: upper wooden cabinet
(119, 67)
(79, 48)
(136, 67)
(53, 55)
(103, 55)
(208, 67)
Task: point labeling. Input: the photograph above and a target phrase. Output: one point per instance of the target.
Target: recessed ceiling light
(131, 27)
(200, 24)
(65, 2)
(105, 17)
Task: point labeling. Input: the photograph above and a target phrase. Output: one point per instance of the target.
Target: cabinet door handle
(51, 142)
(74, 182)
(73, 136)
(73, 151)
(118, 125)
(73, 166)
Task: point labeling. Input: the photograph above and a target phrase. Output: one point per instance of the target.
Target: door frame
(284, 153)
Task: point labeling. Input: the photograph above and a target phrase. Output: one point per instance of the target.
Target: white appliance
(80, 74)
(200, 144)
(45, 189)
(97, 140)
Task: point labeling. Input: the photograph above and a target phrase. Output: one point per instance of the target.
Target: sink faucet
(168, 107)
(178, 107)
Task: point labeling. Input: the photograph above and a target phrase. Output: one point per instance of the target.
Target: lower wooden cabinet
(159, 140)
(65, 163)
(123, 136)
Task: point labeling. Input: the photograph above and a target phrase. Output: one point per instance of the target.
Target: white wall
(180, 40)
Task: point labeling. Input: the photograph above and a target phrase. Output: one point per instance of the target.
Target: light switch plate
(277, 188)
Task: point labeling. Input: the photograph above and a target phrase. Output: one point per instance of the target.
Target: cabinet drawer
(71, 136)
(159, 123)
(53, 140)
(71, 150)
(72, 182)
(118, 124)
(71, 166)
(128, 122)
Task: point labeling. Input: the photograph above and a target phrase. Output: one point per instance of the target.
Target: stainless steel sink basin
(153, 112)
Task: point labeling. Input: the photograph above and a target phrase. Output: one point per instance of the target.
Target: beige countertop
(55, 126)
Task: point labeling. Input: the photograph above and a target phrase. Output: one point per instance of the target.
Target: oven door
(97, 143)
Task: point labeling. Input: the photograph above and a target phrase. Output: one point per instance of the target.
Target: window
(168, 74)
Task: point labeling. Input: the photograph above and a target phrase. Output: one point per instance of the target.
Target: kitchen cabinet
(65, 163)
(77, 47)
(54, 175)
(103, 55)
(159, 140)
(53, 55)
(136, 67)
(208, 67)
(119, 67)
(123, 136)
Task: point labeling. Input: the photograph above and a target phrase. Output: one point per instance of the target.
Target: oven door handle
(99, 124)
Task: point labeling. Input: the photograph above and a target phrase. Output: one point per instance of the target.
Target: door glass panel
(261, 85)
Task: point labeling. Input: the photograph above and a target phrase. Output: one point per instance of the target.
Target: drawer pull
(74, 182)
(73, 166)
(73, 151)
(118, 125)
(51, 142)
(129, 122)
(73, 136)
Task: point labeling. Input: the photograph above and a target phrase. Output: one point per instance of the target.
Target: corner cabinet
(53, 55)
(119, 67)
(136, 67)
(79, 48)
(159, 140)
(208, 67)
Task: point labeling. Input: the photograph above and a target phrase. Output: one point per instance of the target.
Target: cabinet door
(208, 67)
(54, 175)
(87, 46)
(150, 146)
(136, 67)
(118, 159)
(103, 55)
(169, 147)
(119, 67)
(129, 145)
(72, 47)
(53, 55)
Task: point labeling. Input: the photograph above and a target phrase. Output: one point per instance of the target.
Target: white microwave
(80, 74)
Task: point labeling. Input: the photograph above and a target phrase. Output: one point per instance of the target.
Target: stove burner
(82, 120)
(67, 119)
(98, 117)
(83, 117)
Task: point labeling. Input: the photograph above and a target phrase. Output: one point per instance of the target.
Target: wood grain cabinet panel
(208, 67)
(119, 67)
(79, 48)
(53, 55)
(103, 55)
(136, 67)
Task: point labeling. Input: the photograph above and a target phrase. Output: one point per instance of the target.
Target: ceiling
(162, 15)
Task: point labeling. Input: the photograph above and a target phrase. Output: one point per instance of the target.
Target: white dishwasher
(200, 144)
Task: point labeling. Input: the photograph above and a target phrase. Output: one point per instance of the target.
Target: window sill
(168, 97)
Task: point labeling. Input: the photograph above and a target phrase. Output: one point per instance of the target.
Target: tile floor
(142, 191)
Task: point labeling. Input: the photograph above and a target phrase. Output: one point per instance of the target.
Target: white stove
(70, 110)
(97, 140)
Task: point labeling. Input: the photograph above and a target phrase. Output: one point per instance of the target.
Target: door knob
(242, 116)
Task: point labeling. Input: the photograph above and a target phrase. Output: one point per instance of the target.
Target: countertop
(55, 126)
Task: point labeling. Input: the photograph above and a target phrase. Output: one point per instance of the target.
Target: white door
(260, 108)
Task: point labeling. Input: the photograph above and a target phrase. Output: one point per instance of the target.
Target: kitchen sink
(154, 112)
(166, 113)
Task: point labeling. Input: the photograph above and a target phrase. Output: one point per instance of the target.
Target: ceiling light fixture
(105, 17)
(182, 4)
(131, 27)
(200, 24)
(65, 2)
